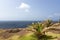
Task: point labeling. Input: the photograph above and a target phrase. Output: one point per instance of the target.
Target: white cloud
(25, 7)
(27, 10)
(54, 15)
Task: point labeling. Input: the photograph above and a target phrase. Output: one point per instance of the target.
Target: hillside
(24, 34)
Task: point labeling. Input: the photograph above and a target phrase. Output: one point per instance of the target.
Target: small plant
(47, 23)
(40, 30)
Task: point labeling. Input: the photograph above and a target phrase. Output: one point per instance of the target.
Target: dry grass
(17, 34)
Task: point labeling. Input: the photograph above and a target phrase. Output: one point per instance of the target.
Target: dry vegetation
(46, 30)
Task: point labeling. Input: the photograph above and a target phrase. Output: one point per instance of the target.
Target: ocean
(15, 24)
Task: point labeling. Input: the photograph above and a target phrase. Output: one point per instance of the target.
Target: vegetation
(47, 23)
(40, 28)
(29, 36)
(36, 31)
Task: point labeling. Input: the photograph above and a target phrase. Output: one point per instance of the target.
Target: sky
(29, 10)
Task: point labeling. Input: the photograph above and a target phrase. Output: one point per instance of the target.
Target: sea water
(15, 24)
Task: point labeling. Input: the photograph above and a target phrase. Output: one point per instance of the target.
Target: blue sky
(16, 10)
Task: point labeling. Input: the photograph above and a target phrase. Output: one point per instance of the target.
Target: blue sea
(15, 24)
